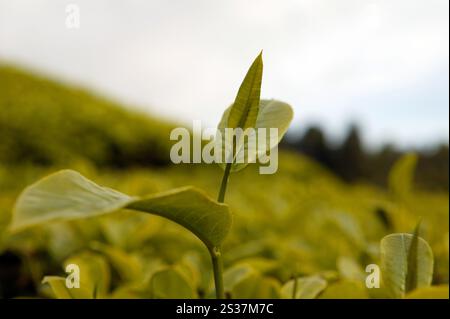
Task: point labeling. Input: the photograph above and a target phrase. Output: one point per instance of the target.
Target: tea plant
(68, 195)
(311, 238)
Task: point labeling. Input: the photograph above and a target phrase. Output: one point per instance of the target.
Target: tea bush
(301, 232)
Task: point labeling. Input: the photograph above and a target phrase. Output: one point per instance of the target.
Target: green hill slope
(44, 122)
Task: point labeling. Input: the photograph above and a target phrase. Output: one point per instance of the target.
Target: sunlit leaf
(67, 195)
(397, 271)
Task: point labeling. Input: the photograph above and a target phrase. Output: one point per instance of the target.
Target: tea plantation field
(302, 222)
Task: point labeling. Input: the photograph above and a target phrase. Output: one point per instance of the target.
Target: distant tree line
(351, 161)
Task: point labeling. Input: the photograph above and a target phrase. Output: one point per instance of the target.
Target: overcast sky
(382, 64)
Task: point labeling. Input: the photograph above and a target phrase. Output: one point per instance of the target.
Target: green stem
(216, 256)
(223, 185)
(215, 252)
(294, 289)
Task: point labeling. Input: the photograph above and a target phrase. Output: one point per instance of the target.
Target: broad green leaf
(67, 195)
(191, 208)
(170, 283)
(401, 176)
(307, 287)
(397, 271)
(433, 292)
(60, 290)
(272, 114)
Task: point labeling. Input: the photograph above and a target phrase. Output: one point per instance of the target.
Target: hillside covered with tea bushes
(43, 122)
(302, 222)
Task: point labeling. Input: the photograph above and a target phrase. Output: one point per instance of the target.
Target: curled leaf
(406, 264)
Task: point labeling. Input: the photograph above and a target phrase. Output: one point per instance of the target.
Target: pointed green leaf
(307, 287)
(242, 114)
(62, 196)
(68, 195)
(396, 273)
(244, 111)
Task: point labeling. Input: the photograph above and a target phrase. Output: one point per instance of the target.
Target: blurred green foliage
(302, 222)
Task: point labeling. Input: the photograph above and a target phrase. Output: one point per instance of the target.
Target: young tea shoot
(67, 195)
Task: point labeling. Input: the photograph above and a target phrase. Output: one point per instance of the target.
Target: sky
(382, 64)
